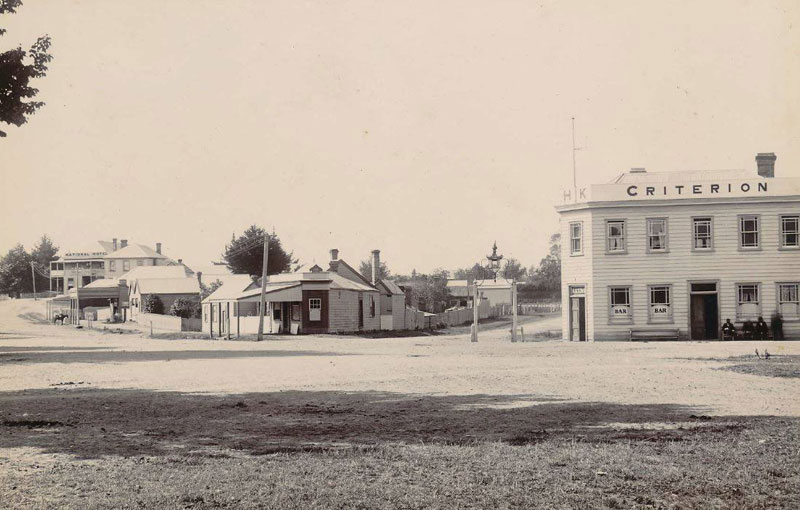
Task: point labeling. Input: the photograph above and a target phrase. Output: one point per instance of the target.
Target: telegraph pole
(475, 305)
(514, 312)
(33, 278)
(263, 288)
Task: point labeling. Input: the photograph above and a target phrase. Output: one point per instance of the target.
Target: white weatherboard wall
(727, 263)
(576, 269)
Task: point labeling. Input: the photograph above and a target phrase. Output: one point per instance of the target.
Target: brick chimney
(123, 243)
(200, 278)
(115, 243)
(158, 248)
(334, 254)
(766, 164)
(376, 263)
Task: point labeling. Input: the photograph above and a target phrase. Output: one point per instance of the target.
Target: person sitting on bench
(762, 330)
(748, 330)
(728, 330)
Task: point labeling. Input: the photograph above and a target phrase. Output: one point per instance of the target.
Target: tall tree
(15, 271)
(365, 268)
(471, 273)
(245, 254)
(43, 253)
(17, 68)
(547, 276)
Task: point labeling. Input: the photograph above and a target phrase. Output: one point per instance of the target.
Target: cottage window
(126, 265)
(656, 234)
(748, 304)
(139, 262)
(615, 232)
(620, 304)
(703, 239)
(790, 231)
(112, 266)
(748, 231)
(789, 300)
(315, 309)
(660, 309)
(576, 238)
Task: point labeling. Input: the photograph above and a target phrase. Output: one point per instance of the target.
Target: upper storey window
(656, 234)
(703, 235)
(748, 231)
(615, 236)
(576, 238)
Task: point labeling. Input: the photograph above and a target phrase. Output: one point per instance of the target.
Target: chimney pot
(766, 164)
(180, 261)
(158, 248)
(334, 254)
(115, 243)
(123, 243)
(200, 277)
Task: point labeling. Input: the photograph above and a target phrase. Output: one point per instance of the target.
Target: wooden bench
(654, 334)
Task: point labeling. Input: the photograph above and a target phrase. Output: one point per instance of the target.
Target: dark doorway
(577, 319)
(704, 317)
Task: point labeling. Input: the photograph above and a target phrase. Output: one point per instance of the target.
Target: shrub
(185, 308)
(152, 304)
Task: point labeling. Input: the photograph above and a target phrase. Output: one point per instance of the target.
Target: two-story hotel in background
(681, 250)
(108, 259)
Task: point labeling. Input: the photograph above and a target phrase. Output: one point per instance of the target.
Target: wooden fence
(166, 323)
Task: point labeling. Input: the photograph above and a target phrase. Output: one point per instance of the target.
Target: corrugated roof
(139, 272)
(682, 176)
(133, 251)
(102, 283)
(233, 285)
(168, 286)
(270, 289)
(391, 287)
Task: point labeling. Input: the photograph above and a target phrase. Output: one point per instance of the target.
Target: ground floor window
(789, 300)
(315, 309)
(660, 309)
(748, 303)
(620, 304)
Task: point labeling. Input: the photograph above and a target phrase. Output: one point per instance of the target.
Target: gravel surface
(37, 355)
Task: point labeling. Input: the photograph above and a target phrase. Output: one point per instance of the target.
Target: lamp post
(492, 266)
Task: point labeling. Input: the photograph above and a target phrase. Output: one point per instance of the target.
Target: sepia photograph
(369, 254)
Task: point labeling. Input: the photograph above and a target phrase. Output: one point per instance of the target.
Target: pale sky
(424, 129)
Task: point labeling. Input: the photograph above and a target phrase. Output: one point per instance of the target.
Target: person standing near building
(776, 324)
(762, 330)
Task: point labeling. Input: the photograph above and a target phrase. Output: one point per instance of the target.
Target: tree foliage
(152, 304)
(17, 68)
(471, 273)
(207, 290)
(365, 268)
(15, 272)
(547, 277)
(43, 253)
(427, 292)
(513, 270)
(184, 308)
(244, 254)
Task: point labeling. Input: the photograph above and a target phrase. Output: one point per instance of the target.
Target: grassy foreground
(114, 449)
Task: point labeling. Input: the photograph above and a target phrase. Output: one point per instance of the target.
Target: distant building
(337, 300)
(682, 252)
(106, 259)
(496, 291)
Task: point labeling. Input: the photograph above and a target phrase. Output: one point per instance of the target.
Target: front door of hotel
(577, 314)
(704, 312)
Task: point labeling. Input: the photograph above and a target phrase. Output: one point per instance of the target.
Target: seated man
(762, 330)
(748, 330)
(728, 330)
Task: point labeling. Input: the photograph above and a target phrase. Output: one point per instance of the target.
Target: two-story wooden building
(681, 251)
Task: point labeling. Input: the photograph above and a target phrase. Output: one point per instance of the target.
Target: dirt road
(39, 355)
